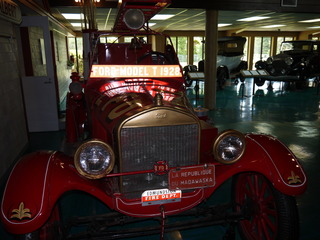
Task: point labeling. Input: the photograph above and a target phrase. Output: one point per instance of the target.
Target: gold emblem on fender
(21, 212)
(293, 179)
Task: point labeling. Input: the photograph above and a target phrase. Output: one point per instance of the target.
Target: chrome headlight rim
(222, 136)
(89, 144)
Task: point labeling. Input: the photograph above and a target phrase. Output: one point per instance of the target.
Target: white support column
(211, 45)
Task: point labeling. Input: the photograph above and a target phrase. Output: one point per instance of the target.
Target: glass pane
(112, 40)
(257, 49)
(182, 50)
(174, 42)
(279, 41)
(245, 50)
(75, 48)
(198, 50)
(266, 47)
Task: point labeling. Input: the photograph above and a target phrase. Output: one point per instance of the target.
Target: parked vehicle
(229, 60)
(297, 62)
(143, 152)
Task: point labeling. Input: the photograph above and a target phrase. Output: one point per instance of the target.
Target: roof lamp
(73, 16)
(134, 19)
(251, 19)
(273, 26)
(76, 24)
(224, 24)
(310, 20)
(162, 16)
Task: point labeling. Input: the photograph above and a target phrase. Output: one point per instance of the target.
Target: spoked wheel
(269, 214)
(52, 230)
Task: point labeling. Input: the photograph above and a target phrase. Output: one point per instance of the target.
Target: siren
(134, 19)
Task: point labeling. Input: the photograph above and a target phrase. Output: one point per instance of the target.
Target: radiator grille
(142, 147)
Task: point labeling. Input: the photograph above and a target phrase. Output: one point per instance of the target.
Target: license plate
(192, 177)
(160, 196)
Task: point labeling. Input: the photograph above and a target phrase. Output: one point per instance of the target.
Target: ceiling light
(249, 19)
(162, 16)
(273, 26)
(76, 24)
(311, 20)
(224, 24)
(314, 27)
(74, 16)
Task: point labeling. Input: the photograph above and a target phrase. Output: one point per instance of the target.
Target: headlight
(269, 60)
(288, 60)
(94, 159)
(229, 147)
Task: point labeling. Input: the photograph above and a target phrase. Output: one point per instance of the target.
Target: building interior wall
(13, 129)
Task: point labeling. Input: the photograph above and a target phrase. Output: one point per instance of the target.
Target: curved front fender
(34, 186)
(282, 167)
(268, 156)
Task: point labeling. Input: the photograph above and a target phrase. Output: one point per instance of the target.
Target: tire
(269, 214)
(188, 81)
(222, 76)
(259, 82)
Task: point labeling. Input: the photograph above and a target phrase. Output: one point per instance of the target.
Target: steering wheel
(157, 58)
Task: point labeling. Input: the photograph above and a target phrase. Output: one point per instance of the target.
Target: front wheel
(269, 214)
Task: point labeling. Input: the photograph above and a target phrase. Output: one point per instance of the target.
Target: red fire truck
(139, 147)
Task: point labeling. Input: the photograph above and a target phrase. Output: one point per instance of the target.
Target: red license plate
(192, 177)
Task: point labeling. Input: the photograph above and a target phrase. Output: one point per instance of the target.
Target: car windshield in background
(295, 46)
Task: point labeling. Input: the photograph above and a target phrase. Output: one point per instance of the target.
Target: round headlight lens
(94, 159)
(229, 147)
(288, 60)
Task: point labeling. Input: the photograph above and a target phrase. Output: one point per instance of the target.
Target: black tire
(259, 82)
(269, 213)
(188, 81)
(222, 75)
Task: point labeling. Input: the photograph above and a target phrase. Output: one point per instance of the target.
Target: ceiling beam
(303, 6)
(72, 3)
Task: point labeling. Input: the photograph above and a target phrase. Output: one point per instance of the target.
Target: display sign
(160, 196)
(196, 75)
(10, 11)
(192, 177)
(254, 73)
(135, 71)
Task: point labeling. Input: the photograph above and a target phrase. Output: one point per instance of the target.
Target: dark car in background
(229, 60)
(297, 62)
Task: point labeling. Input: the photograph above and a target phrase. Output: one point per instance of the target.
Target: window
(262, 46)
(198, 49)
(280, 40)
(75, 54)
(181, 46)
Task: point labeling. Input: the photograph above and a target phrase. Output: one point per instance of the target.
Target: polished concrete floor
(292, 115)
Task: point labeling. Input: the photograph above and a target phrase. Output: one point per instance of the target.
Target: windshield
(295, 46)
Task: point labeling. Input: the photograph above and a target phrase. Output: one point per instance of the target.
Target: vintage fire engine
(143, 152)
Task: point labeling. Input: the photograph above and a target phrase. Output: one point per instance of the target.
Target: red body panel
(55, 174)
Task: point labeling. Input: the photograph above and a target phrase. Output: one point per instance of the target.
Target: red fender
(34, 186)
(283, 167)
(270, 157)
